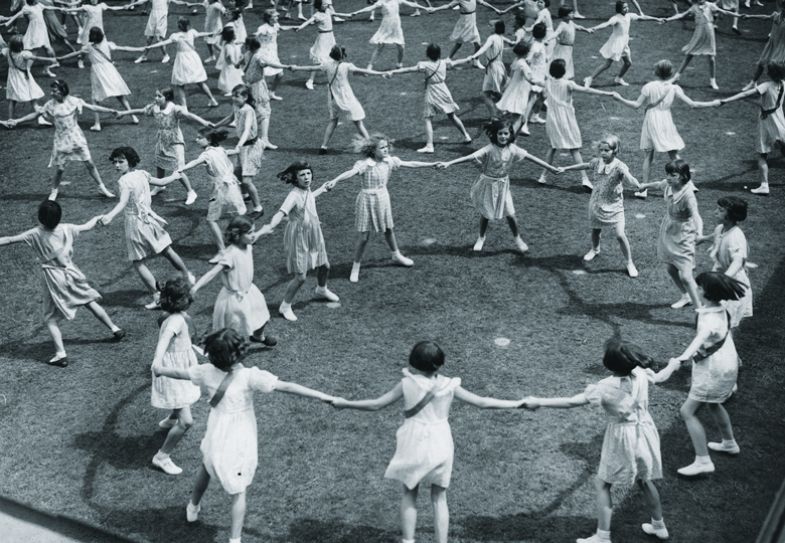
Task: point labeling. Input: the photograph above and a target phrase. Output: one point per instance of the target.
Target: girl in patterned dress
(325, 39)
(267, 34)
(174, 351)
(465, 30)
(66, 287)
(424, 449)
(490, 194)
(302, 240)
(631, 446)
(715, 367)
(20, 85)
(255, 63)
(774, 51)
(372, 208)
(606, 205)
(680, 229)
(437, 96)
(144, 229)
(229, 61)
(169, 141)
(495, 78)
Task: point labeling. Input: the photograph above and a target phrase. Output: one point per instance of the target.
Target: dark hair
(433, 52)
(718, 286)
(539, 31)
(239, 225)
(663, 69)
(215, 137)
(426, 356)
(558, 68)
(338, 53)
(96, 35)
(492, 128)
(735, 208)
(252, 43)
(521, 49)
(16, 44)
(227, 34)
(128, 153)
(620, 5)
(225, 347)
(267, 15)
(245, 91)
(167, 93)
(776, 71)
(680, 167)
(183, 23)
(62, 86)
(176, 295)
(520, 19)
(318, 5)
(49, 214)
(563, 12)
(621, 357)
(498, 27)
(237, 13)
(289, 175)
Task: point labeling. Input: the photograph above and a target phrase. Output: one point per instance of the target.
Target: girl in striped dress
(774, 51)
(372, 208)
(303, 241)
(465, 30)
(325, 39)
(495, 77)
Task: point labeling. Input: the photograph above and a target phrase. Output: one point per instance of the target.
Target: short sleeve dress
(168, 393)
(227, 198)
(495, 73)
(658, 131)
(372, 209)
(714, 376)
(774, 51)
(516, 96)
(771, 127)
(105, 80)
(424, 448)
(490, 194)
(727, 246)
(268, 40)
(465, 29)
(606, 204)
(561, 126)
(213, 11)
(303, 241)
(240, 304)
(438, 98)
(69, 141)
(618, 44)
(93, 16)
(187, 67)
(158, 19)
(144, 228)
(676, 242)
(36, 34)
(325, 39)
(390, 30)
(230, 76)
(340, 96)
(703, 41)
(631, 446)
(169, 142)
(20, 85)
(252, 152)
(563, 49)
(255, 66)
(229, 447)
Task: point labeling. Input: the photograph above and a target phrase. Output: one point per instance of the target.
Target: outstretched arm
(305, 23)
(540, 162)
(655, 185)
(561, 403)
(739, 96)
(366, 71)
(416, 164)
(583, 166)
(700, 337)
(139, 111)
(195, 118)
(89, 225)
(313, 68)
(72, 54)
(270, 226)
(97, 108)
(163, 181)
(341, 177)
(366, 9)
(300, 390)
(676, 17)
(692, 103)
(8, 240)
(468, 158)
(129, 48)
(211, 274)
(193, 164)
(406, 70)
(665, 373)
(485, 402)
(371, 405)
(630, 103)
(448, 5)
(107, 218)
(174, 373)
(596, 92)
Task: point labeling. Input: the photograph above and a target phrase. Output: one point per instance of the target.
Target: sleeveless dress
(169, 142)
(658, 131)
(144, 228)
(618, 43)
(340, 96)
(561, 126)
(495, 72)
(105, 80)
(726, 246)
(372, 208)
(303, 241)
(390, 31)
(465, 29)
(69, 141)
(713, 377)
(490, 194)
(187, 67)
(438, 98)
(240, 304)
(168, 393)
(703, 41)
(94, 16)
(774, 51)
(676, 242)
(20, 85)
(515, 98)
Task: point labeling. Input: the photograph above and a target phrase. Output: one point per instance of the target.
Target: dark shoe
(270, 341)
(60, 362)
(118, 334)
(322, 150)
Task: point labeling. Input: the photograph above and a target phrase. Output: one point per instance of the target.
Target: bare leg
(604, 505)
(602, 68)
(483, 226)
(441, 514)
(676, 278)
(179, 95)
(176, 432)
(57, 336)
(408, 513)
(489, 99)
(400, 54)
(238, 514)
(690, 287)
(723, 421)
(457, 45)
(276, 81)
(652, 497)
(175, 260)
(124, 101)
(97, 124)
(549, 159)
(683, 66)
(362, 241)
(648, 156)
(375, 54)
(248, 185)
(11, 104)
(712, 67)
(361, 129)
(217, 234)
(624, 243)
(147, 277)
(694, 427)
(763, 167)
(202, 480)
(626, 63)
(595, 238)
(206, 90)
(576, 156)
(328, 132)
(292, 288)
(428, 132)
(100, 314)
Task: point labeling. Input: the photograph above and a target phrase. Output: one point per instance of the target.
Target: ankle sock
(603, 535)
(658, 524)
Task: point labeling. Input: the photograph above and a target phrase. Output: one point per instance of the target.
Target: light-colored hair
(612, 141)
(367, 146)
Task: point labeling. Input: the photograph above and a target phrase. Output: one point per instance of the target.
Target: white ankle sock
(604, 535)
(658, 524)
(703, 459)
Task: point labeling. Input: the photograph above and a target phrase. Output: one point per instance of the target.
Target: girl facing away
(20, 86)
(67, 288)
(229, 447)
(424, 448)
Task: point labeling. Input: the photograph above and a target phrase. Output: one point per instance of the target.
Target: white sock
(234, 540)
(355, 267)
(604, 535)
(407, 540)
(285, 306)
(161, 455)
(703, 459)
(658, 524)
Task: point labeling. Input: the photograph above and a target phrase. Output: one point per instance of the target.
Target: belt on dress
(250, 141)
(378, 190)
(467, 12)
(325, 32)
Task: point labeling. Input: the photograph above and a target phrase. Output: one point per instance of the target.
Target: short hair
(776, 71)
(433, 51)
(622, 357)
(498, 27)
(337, 53)
(492, 129)
(176, 295)
(520, 19)
(167, 93)
(521, 49)
(367, 146)
(215, 136)
(680, 167)
(663, 69)
(620, 5)
(539, 31)
(267, 15)
(318, 5)
(225, 347)
(49, 214)
(563, 12)
(244, 91)
(735, 208)
(16, 44)
(62, 86)
(426, 356)
(289, 175)
(183, 23)
(718, 287)
(612, 141)
(128, 153)
(239, 225)
(96, 35)
(558, 68)
(227, 34)
(252, 43)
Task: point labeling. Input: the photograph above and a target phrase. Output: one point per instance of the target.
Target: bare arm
(562, 403)
(174, 373)
(692, 103)
(449, 5)
(406, 70)
(124, 196)
(341, 177)
(693, 347)
(139, 111)
(195, 118)
(305, 23)
(300, 390)
(226, 120)
(416, 164)
(247, 125)
(629, 103)
(211, 274)
(163, 181)
(366, 71)
(163, 343)
(313, 68)
(270, 226)
(97, 108)
(596, 92)
(655, 185)
(193, 164)
(8, 240)
(366, 9)
(543, 164)
(485, 402)
(82, 51)
(89, 225)
(744, 94)
(736, 264)
(128, 48)
(696, 217)
(583, 166)
(371, 405)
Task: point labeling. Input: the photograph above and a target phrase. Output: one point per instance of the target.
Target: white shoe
(537, 119)
(157, 190)
(165, 463)
(43, 122)
(660, 533)
(478, 244)
(190, 197)
(620, 81)
(524, 130)
(587, 184)
(165, 59)
(725, 447)
(542, 180)
(325, 293)
(642, 194)
(762, 190)
(209, 59)
(156, 303)
(426, 149)
(354, 276)
(521, 245)
(287, 313)
(192, 512)
(167, 423)
(275, 97)
(96, 128)
(309, 84)
(141, 59)
(398, 258)
(713, 84)
(591, 255)
(80, 64)
(268, 145)
(632, 271)
(53, 195)
(587, 81)
(134, 119)
(696, 468)
(684, 301)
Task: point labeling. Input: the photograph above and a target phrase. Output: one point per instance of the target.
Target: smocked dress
(268, 40)
(229, 447)
(251, 153)
(169, 142)
(515, 97)
(303, 241)
(726, 246)
(227, 198)
(158, 19)
(390, 30)
(631, 445)
(187, 67)
(771, 126)
(606, 204)
(495, 73)
(438, 98)
(66, 286)
(372, 209)
(703, 41)
(168, 393)
(676, 242)
(231, 54)
(618, 44)
(490, 194)
(658, 131)
(537, 59)
(255, 67)
(325, 39)
(36, 34)
(561, 126)
(93, 16)
(714, 376)
(69, 141)
(564, 46)
(340, 96)
(774, 51)
(105, 80)
(20, 85)
(424, 448)
(213, 11)
(465, 29)
(240, 304)
(144, 228)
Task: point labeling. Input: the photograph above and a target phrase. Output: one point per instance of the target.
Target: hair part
(426, 356)
(49, 214)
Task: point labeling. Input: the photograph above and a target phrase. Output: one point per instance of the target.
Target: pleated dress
(105, 80)
(144, 228)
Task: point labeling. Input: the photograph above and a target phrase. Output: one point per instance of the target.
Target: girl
(105, 80)
(774, 51)
(681, 227)
(67, 288)
(241, 34)
(606, 205)
(515, 99)
(213, 11)
(771, 126)
(564, 36)
(340, 96)
(55, 28)
(188, 68)
(169, 141)
(93, 17)
(424, 448)
(174, 351)
(36, 35)
(226, 199)
(20, 85)
(229, 61)
(229, 447)
(537, 59)
(465, 29)
(157, 24)
(437, 96)
(715, 366)
(560, 123)
(302, 240)
(495, 72)
(256, 62)
(321, 50)
(631, 447)
(240, 304)
(490, 194)
(69, 141)
(267, 34)
(144, 228)
(372, 208)
(658, 132)
(618, 45)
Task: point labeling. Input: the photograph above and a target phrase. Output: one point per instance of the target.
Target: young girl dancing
(424, 449)
(564, 38)
(465, 29)
(515, 98)
(157, 24)
(214, 10)
(437, 96)
(490, 194)
(774, 51)
(495, 78)
(302, 240)
(240, 304)
(67, 288)
(321, 50)
(174, 351)
(20, 85)
(229, 446)
(715, 366)
(537, 59)
(144, 228)
(36, 35)
(93, 16)
(256, 62)
(372, 208)
(267, 34)
(681, 227)
(631, 446)
(229, 61)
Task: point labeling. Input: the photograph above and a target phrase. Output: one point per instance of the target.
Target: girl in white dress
(187, 68)
(631, 446)
(325, 38)
(774, 51)
(715, 366)
(372, 208)
(229, 448)
(618, 45)
(229, 61)
(515, 99)
(424, 449)
(564, 38)
(157, 24)
(465, 30)
(255, 64)
(495, 78)
(267, 34)
(490, 194)
(537, 60)
(214, 10)
(36, 36)
(20, 85)
(144, 229)
(174, 351)
(437, 96)
(93, 16)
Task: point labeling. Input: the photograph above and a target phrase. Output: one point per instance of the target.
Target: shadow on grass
(308, 530)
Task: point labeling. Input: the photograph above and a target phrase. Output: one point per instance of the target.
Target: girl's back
(624, 399)
(415, 387)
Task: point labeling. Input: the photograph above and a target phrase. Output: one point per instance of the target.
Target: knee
(685, 412)
(185, 423)
(299, 279)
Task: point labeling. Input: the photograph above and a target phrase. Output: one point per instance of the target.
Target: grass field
(79, 441)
